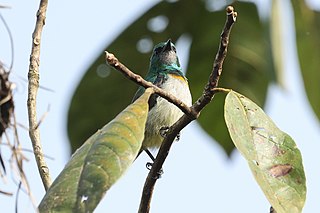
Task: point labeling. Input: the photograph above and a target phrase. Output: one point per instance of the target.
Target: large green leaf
(99, 163)
(246, 69)
(307, 24)
(272, 155)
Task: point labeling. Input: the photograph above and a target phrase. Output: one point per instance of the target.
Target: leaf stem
(220, 89)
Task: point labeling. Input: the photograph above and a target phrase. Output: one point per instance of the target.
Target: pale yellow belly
(164, 114)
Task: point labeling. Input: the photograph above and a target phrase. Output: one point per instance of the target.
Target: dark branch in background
(33, 85)
(191, 113)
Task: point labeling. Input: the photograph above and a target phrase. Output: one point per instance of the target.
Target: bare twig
(10, 37)
(114, 62)
(191, 113)
(207, 96)
(6, 193)
(33, 85)
(8, 119)
(2, 6)
(26, 150)
(17, 196)
(43, 117)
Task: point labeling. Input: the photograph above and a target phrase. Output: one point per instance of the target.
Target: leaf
(99, 163)
(307, 24)
(277, 41)
(246, 69)
(272, 155)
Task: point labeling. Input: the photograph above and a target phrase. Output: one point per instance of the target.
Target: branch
(206, 97)
(33, 85)
(115, 63)
(191, 113)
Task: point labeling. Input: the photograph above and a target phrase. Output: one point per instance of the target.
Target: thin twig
(43, 117)
(27, 150)
(6, 193)
(114, 62)
(2, 6)
(191, 113)
(33, 85)
(17, 196)
(18, 157)
(206, 97)
(10, 37)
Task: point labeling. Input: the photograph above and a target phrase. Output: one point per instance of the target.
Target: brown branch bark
(115, 63)
(191, 113)
(209, 92)
(33, 85)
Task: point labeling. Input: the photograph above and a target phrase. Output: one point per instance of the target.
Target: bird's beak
(168, 46)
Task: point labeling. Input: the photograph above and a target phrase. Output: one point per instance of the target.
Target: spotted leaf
(272, 155)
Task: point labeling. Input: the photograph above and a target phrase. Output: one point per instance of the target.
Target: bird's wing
(158, 80)
(139, 92)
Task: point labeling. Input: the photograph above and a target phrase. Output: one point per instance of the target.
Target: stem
(208, 94)
(115, 63)
(33, 85)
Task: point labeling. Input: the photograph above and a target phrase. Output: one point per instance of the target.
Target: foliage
(99, 163)
(307, 24)
(248, 68)
(254, 61)
(272, 155)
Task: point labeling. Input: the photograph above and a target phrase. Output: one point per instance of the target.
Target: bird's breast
(178, 86)
(178, 77)
(164, 113)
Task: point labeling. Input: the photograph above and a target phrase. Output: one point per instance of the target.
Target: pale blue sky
(198, 176)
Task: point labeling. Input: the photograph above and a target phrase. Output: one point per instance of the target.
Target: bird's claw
(164, 131)
(178, 137)
(160, 172)
(149, 165)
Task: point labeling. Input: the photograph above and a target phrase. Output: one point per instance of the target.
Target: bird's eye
(158, 50)
(174, 49)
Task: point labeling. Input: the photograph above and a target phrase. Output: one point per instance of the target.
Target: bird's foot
(159, 173)
(149, 154)
(178, 137)
(164, 132)
(149, 164)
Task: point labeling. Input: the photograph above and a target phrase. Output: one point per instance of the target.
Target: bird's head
(164, 54)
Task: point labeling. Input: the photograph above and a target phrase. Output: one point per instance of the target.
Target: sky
(198, 175)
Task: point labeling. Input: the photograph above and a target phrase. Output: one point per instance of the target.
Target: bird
(165, 72)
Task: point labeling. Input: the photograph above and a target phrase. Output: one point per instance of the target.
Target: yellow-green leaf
(272, 155)
(99, 162)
